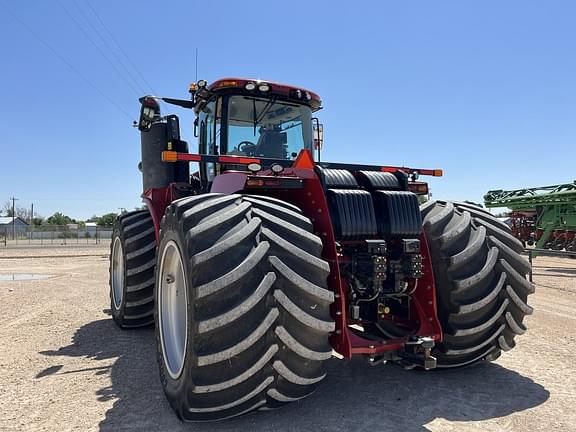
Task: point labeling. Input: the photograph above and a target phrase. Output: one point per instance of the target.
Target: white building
(6, 227)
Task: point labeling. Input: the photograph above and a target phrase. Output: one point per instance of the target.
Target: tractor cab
(251, 118)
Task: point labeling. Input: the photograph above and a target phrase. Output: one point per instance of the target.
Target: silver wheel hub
(117, 273)
(172, 309)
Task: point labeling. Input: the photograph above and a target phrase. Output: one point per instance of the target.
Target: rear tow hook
(418, 352)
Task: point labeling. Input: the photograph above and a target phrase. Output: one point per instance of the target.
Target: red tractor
(265, 263)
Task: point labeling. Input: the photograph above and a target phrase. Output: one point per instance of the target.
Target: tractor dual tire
(132, 266)
(481, 284)
(257, 319)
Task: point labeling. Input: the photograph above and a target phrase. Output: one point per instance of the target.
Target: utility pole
(14, 218)
(32, 222)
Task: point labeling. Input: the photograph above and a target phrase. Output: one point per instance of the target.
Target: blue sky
(485, 90)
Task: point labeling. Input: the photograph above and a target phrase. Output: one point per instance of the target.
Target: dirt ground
(65, 366)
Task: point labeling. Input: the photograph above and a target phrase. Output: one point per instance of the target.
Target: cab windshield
(268, 128)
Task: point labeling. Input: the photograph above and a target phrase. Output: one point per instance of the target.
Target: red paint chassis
(311, 200)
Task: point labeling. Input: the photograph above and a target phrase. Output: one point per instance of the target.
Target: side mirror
(149, 112)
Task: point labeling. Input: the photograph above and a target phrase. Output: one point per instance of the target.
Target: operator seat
(272, 144)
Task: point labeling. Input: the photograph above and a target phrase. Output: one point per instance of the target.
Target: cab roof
(260, 87)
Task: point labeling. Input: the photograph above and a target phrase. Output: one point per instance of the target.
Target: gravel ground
(65, 366)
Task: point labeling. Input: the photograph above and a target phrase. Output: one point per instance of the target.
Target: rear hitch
(418, 353)
(376, 360)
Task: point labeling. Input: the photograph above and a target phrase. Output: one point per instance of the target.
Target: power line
(119, 46)
(102, 53)
(110, 48)
(66, 62)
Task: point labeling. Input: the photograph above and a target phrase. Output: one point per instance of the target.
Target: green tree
(106, 220)
(59, 219)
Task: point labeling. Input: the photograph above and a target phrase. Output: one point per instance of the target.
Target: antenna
(196, 79)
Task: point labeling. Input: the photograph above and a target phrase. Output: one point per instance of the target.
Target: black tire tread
(136, 232)
(260, 317)
(480, 282)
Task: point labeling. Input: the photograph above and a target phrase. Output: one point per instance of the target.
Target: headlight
(250, 86)
(254, 167)
(276, 168)
(264, 87)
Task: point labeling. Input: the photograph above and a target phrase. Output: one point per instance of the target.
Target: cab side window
(209, 138)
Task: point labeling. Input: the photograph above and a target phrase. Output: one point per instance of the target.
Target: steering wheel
(242, 146)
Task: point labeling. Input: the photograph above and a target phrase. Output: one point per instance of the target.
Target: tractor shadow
(353, 397)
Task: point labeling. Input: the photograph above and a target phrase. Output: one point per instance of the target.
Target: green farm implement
(542, 216)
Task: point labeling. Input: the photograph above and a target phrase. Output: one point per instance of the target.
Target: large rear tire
(481, 283)
(132, 264)
(254, 332)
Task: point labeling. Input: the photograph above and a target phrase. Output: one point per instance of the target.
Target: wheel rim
(117, 273)
(172, 309)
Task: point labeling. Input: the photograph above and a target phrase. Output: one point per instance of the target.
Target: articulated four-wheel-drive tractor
(265, 263)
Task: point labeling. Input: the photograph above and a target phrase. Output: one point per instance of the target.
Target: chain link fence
(53, 235)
